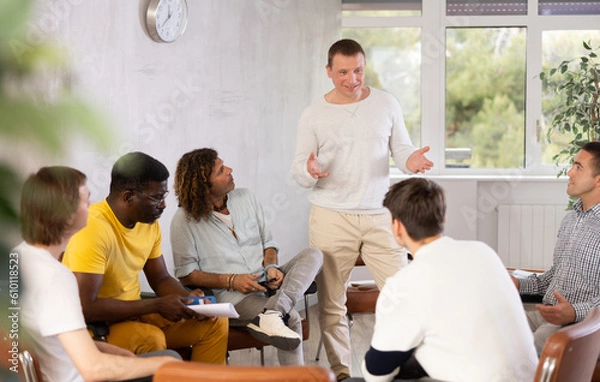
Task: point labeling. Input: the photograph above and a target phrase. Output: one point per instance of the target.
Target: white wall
(237, 81)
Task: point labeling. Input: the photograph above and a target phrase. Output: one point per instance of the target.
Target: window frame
(433, 22)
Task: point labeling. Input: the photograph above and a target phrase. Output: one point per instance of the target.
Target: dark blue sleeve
(385, 362)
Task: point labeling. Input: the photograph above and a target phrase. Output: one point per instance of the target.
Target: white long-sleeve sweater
(352, 142)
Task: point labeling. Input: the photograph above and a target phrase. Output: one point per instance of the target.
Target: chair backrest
(571, 353)
(199, 372)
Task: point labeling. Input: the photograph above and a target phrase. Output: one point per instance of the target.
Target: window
(486, 7)
(394, 64)
(466, 74)
(568, 7)
(485, 96)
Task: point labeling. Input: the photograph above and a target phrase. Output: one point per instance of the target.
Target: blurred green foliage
(485, 95)
(32, 111)
(576, 86)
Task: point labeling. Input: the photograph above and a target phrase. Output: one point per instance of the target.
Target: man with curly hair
(220, 240)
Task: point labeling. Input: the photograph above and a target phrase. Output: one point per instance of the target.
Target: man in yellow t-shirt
(121, 239)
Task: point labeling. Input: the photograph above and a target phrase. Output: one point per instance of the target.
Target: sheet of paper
(216, 310)
(523, 274)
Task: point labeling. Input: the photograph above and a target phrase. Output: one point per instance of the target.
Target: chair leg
(306, 309)
(262, 356)
(319, 347)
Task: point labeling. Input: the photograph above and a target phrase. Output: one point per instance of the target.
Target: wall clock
(166, 19)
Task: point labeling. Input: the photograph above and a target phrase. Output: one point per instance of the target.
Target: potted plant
(576, 83)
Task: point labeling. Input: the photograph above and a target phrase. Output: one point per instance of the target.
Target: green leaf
(13, 17)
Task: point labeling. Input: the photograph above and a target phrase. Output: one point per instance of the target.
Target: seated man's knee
(312, 256)
(151, 339)
(137, 337)
(221, 327)
(295, 321)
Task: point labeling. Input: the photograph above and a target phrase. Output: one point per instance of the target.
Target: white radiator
(527, 234)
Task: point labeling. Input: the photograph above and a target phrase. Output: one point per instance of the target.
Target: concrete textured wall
(236, 81)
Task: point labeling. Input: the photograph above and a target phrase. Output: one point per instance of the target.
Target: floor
(360, 338)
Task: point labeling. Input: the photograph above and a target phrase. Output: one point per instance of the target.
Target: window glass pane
(394, 65)
(485, 97)
(568, 7)
(486, 7)
(381, 8)
(559, 46)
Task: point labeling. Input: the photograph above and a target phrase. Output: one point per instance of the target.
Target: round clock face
(166, 19)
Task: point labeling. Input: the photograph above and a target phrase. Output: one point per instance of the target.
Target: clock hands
(169, 14)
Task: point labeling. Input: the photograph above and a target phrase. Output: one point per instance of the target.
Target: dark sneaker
(270, 329)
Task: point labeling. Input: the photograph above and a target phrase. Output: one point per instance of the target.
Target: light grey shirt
(353, 143)
(210, 246)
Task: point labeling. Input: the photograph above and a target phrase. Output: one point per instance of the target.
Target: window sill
(396, 176)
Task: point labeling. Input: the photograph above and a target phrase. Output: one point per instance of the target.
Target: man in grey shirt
(220, 240)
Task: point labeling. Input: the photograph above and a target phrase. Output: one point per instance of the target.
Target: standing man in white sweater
(342, 151)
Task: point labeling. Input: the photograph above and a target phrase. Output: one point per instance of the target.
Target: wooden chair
(361, 297)
(571, 354)
(196, 372)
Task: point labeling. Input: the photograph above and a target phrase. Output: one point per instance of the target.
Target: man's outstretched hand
(417, 162)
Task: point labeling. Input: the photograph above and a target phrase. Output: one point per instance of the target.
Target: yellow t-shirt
(106, 247)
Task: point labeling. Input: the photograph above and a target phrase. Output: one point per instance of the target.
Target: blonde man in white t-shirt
(54, 206)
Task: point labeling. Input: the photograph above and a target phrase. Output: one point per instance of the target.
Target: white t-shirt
(457, 305)
(50, 306)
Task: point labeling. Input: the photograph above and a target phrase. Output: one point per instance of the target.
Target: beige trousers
(342, 237)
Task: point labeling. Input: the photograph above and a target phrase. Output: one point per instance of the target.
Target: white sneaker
(270, 328)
